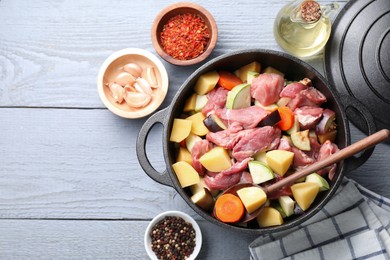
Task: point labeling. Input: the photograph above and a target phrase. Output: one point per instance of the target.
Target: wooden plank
(50, 55)
(70, 239)
(69, 163)
(62, 164)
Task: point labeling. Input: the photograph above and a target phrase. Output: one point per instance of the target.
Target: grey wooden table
(70, 183)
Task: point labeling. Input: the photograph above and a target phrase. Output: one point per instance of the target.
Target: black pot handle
(163, 178)
(354, 107)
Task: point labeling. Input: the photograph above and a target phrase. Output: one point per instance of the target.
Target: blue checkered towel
(355, 224)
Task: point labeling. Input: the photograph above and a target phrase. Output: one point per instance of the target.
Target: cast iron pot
(294, 69)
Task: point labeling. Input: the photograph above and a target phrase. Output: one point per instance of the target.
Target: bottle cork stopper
(310, 11)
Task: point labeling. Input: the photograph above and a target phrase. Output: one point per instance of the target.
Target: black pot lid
(357, 57)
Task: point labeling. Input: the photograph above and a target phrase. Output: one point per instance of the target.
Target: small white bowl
(109, 70)
(187, 218)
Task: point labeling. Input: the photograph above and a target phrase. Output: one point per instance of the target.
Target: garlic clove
(150, 76)
(141, 85)
(129, 88)
(137, 99)
(134, 69)
(124, 78)
(117, 92)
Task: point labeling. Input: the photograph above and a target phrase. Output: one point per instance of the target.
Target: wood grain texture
(69, 239)
(70, 183)
(70, 163)
(51, 51)
(76, 161)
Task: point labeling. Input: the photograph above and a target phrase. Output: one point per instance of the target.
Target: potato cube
(270, 69)
(198, 127)
(242, 72)
(269, 217)
(252, 198)
(184, 155)
(279, 160)
(185, 173)
(216, 160)
(189, 105)
(191, 140)
(200, 185)
(180, 130)
(206, 82)
(305, 193)
(203, 199)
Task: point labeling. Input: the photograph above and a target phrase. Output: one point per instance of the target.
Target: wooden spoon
(342, 154)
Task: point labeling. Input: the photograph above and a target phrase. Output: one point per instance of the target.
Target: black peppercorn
(173, 238)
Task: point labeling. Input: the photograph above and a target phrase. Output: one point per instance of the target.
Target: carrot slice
(286, 118)
(228, 80)
(229, 208)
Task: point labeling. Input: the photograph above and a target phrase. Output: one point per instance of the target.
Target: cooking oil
(302, 28)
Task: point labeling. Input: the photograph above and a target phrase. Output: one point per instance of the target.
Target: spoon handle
(342, 154)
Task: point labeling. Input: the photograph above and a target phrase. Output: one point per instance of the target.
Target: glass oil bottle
(302, 28)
